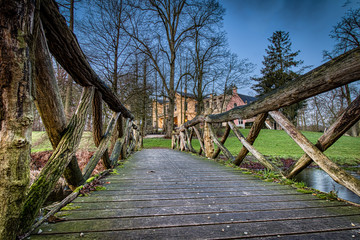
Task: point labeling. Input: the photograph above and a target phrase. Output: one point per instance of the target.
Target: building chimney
(234, 90)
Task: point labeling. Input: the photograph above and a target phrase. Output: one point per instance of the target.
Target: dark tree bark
(16, 109)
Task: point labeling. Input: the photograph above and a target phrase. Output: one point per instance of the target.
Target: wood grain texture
(335, 73)
(335, 172)
(167, 194)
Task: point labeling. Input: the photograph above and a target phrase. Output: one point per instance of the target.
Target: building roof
(247, 99)
(189, 95)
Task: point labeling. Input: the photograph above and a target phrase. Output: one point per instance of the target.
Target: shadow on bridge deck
(163, 193)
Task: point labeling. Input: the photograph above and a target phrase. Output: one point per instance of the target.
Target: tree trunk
(55, 167)
(16, 109)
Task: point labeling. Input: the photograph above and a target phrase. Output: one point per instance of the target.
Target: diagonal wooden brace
(266, 163)
(251, 137)
(226, 152)
(335, 172)
(348, 118)
(202, 148)
(222, 141)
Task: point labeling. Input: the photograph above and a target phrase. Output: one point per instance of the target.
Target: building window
(196, 106)
(235, 105)
(186, 106)
(207, 104)
(215, 105)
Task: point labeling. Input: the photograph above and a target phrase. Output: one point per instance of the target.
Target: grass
(40, 142)
(277, 144)
(271, 143)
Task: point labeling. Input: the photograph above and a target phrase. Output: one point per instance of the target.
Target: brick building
(186, 104)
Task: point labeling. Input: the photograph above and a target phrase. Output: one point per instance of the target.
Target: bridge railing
(45, 31)
(335, 73)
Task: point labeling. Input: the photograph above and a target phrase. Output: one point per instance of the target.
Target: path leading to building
(166, 194)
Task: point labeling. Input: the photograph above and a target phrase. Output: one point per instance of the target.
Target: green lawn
(275, 143)
(270, 143)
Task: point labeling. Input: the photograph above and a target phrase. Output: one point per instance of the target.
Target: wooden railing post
(49, 105)
(103, 145)
(201, 141)
(189, 137)
(208, 143)
(98, 127)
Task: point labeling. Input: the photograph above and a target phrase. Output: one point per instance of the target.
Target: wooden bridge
(166, 194)
(159, 193)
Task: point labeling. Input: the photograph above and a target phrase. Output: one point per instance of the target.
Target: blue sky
(249, 23)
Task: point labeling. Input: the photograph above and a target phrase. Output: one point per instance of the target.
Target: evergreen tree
(277, 71)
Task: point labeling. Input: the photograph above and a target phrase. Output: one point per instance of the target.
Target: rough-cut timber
(167, 194)
(221, 146)
(66, 50)
(98, 127)
(335, 172)
(16, 109)
(348, 118)
(266, 163)
(49, 105)
(335, 73)
(253, 133)
(103, 145)
(188, 138)
(201, 141)
(55, 167)
(222, 141)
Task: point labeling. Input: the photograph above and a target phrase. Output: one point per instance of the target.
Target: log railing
(335, 73)
(44, 31)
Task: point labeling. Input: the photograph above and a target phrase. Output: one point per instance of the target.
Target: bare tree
(158, 29)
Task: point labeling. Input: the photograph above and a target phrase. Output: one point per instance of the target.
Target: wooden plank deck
(166, 194)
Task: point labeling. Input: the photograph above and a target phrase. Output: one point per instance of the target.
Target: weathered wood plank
(64, 46)
(145, 203)
(335, 73)
(221, 146)
(222, 141)
(252, 149)
(251, 137)
(348, 118)
(335, 172)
